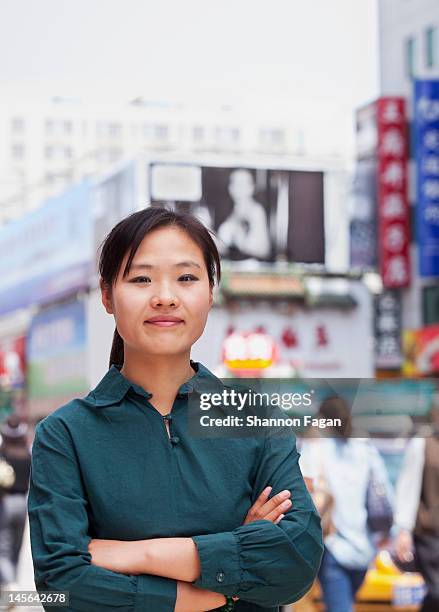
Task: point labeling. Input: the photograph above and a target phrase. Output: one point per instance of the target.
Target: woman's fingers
(279, 504)
(253, 513)
(262, 498)
(280, 501)
(269, 510)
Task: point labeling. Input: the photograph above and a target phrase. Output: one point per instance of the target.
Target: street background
(304, 135)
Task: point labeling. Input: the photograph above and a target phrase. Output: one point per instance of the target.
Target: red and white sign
(393, 206)
(12, 362)
(248, 351)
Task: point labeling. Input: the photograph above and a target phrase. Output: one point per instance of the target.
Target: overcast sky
(313, 59)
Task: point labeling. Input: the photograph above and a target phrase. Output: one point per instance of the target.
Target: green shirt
(104, 467)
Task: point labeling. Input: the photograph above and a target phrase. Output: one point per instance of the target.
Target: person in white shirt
(345, 465)
(417, 509)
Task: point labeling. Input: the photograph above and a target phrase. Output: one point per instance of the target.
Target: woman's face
(161, 306)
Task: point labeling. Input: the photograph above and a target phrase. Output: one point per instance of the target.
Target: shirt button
(167, 417)
(220, 577)
(175, 439)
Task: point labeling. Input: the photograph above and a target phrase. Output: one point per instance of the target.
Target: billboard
(393, 206)
(380, 225)
(421, 351)
(113, 198)
(56, 357)
(388, 325)
(426, 126)
(47, 254)
(256, 213)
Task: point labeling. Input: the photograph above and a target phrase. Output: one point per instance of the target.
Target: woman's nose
(164, 297)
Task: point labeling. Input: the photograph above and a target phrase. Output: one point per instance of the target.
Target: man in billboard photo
(246, 228)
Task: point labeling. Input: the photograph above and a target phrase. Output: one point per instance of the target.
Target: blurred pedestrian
(14, 450)
(417, 510)
(343, 467)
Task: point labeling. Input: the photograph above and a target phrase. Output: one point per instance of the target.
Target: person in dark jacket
(128, 509)
(14, 450)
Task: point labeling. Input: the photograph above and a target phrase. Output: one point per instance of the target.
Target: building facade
(409, 50)
(47, 145)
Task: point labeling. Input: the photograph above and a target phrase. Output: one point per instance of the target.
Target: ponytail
(117, 352)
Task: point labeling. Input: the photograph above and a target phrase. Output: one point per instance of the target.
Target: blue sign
(47, 254)
(426, 126)
(56, 352)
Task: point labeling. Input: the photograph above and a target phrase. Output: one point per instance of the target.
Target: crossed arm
(267, 564)
(178, 558)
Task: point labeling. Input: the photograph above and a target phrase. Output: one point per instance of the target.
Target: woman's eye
(141, 279)
(188, 277)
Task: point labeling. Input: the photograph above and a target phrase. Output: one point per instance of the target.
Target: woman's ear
(106, 297)
(210, 296)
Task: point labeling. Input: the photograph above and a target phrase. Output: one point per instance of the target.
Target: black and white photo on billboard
(299, 216)
(239, 203)
(257, 213)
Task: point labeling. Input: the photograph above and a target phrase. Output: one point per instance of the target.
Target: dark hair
(335, 407)
(126, 237)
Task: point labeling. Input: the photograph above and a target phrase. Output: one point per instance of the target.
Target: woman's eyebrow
(180, 264)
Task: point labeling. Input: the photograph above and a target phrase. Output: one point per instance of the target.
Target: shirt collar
(114, 386)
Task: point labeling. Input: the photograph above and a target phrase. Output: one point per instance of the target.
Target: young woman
(128, 511)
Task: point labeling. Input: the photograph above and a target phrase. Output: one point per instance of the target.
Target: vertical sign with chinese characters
(393, 207)
(427, 163)
(388, 352)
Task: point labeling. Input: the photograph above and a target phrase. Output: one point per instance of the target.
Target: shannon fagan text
(255, 421)
(240, 399)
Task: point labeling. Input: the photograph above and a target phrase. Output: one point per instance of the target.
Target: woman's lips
(164, 323)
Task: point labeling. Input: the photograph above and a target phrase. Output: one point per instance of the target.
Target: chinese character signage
(388, 352)
(427, 161)
(393, 207)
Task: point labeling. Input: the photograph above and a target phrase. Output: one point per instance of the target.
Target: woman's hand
(118, 555)
(404, 546)
(272, 510)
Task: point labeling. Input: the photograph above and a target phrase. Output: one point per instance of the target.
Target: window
(430, 47)
(111, 129)
(161, 132)
(114, 130)
(198, 133)
(17, 151)
(430, 299)
(410, 49)
(58, 127)
(59, 153)
(17, 125)
(272, 137)
(227, 135)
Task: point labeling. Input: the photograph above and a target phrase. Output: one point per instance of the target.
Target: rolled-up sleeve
(58, 516)
(264, 563)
